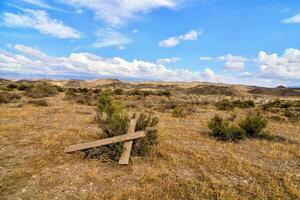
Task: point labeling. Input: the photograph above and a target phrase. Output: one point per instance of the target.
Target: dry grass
(186, 164)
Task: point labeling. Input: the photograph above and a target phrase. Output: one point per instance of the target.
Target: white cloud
(209, 75)
(245, 75)
(206, 58)
(292, 20)
(108, 37)
(285, 67)
(39, 20)
(31, 60)
(173, 41)
(118, 12)
(167, 60)
(234, 63)
(42, 4)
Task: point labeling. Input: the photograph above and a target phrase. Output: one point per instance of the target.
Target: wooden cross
(127, 138)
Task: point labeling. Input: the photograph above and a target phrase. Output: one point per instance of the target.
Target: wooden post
(97, 143)
(124, 159)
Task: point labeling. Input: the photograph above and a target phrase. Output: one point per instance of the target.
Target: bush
(118, 91)
(292, 115)
(59, 89)
(223, 130)
(12, 86)
(148, 124)
(42, 90)
(254, 125)
(86, 98)
(24, 87)
(39, 102)
(114, 121)
(178, 112)
(83, 90)
(166, 93)
(244, 104)
(225, 105)
(6, 97)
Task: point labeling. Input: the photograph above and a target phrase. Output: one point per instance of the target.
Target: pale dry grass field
(186, 164)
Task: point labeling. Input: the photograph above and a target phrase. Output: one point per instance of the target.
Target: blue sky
(250, 42)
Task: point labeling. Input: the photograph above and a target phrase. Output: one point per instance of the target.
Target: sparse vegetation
(178, 111)
(86, 98)
(41, 90)
(252, 126)
(187, 163)
(119, 91)
(224, 130)
(39, 102)
(7, 97)
(225, 105)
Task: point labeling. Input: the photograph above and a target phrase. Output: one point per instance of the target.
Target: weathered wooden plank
(112, 140)
(124, 159)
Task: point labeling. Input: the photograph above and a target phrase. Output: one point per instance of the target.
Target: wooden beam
(124, 159)
(112, 140)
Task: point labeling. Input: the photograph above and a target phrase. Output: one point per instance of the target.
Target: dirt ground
(186, 164)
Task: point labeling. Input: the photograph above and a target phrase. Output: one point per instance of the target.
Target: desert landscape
(199, 148)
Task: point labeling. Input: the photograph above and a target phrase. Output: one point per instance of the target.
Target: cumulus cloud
(173, 41)
(118, 12)
(209, 75)
(32, 60)
(167, 60)
(232, 63)
(39, 20)
(108, 37)
(285, 67)
(292, 20)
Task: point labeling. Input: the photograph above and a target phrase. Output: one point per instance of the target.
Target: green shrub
(112, 119)
(86, 98)
(166, 93)
(225, 105)
(24, 87)
(59, 89)
(6, 97)
(12, 86)
(39, 102)
(118, 91)
(178, 111)
(134, 92)
(292, 115)
(223, 130)
(83, 90)
(42, 90)
(148, 124)
(254, 125)
(244, 103)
